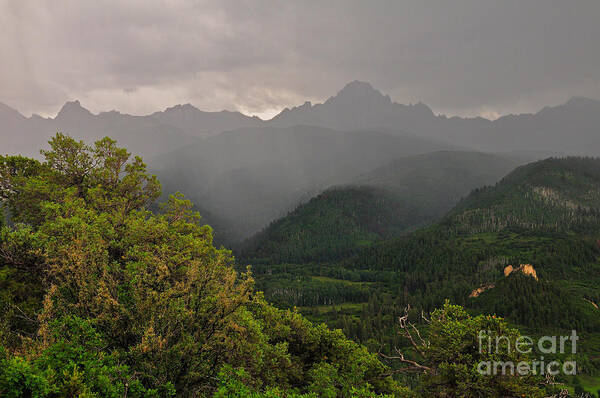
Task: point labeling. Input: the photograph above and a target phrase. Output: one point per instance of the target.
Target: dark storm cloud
(466, 57)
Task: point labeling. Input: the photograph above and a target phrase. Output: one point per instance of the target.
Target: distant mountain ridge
(147, 135)
(356, 106)
(570, 128)
(203, 124)
(438, 180)
(332, 224)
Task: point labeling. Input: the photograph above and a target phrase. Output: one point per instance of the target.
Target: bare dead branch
(406, 327)
(424, 317)
(400, 357)
(423, 342)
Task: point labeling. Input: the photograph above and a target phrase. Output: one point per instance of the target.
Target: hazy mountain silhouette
(436, 181)
(198, 123)
(573, 127)
(145, 135)
(357, 106)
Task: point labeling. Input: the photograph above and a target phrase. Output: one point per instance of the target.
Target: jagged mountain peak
(358, 105)
(359, 92)
(182, 108)
(72, 109)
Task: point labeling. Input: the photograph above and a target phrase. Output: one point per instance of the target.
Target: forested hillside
(545, 214)
(332, 224)
(380, 204)
(560, 194)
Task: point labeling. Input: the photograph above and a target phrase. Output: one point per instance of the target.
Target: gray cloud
(460, 57)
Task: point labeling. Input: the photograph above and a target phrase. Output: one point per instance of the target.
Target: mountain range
(244, 172)
(148, 135)
(358, 106)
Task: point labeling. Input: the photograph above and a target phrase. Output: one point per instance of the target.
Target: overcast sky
(459, 57)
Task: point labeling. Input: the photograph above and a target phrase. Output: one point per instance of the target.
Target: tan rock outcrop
(479, 290)
(526, 269)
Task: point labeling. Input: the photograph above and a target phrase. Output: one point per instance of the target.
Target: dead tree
(418, 343)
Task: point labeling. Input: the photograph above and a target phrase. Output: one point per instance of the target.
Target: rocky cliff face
(526, 269)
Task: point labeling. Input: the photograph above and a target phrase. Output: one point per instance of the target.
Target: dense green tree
(102, 297)
(74, 364)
